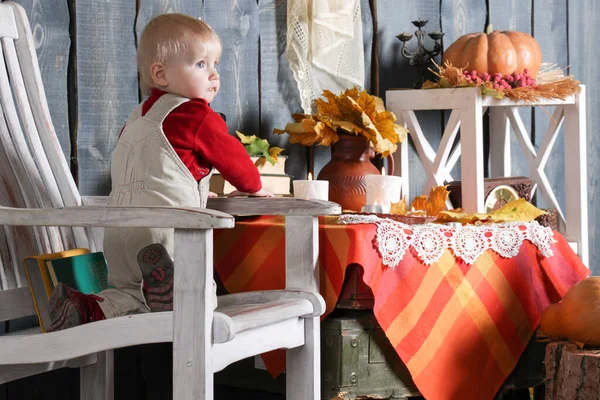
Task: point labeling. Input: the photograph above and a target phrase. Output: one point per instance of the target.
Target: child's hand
(260, 193)
(212, 194)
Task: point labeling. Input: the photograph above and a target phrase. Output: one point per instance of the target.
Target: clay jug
(350, 162)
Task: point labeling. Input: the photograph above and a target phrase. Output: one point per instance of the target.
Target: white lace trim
(466, 242)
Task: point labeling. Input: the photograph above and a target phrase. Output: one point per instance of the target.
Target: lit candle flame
(383, 171)
(310, 176)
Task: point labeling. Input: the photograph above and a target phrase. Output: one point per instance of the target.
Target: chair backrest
(33, 170)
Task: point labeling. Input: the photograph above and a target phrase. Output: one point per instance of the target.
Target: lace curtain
(324, 47)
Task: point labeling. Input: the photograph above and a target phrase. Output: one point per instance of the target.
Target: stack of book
(273, 178)
(77, 268)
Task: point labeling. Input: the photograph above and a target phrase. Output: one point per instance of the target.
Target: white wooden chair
(38, 195)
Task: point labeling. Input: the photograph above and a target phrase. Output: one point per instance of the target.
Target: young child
(164, 157)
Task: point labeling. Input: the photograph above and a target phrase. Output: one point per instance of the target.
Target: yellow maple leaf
(303, 132)
(437, 200)
(353, 111)
(326, 135)
(274, 152)
(352, 92)
(419, 203)
(460, 216)
(517, 210)
(367, 104)
(400, 207)
(330, 107)
(300, 117)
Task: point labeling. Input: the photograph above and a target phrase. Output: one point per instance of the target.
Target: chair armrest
(240, 206)
(122, 216)
(265, 296)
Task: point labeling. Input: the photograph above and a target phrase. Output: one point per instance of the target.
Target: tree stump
(572, 373)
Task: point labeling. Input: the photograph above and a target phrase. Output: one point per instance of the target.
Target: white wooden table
(468, 107)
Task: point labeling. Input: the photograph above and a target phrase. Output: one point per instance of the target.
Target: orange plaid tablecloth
(459, 328)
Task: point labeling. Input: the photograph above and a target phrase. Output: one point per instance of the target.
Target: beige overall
(145, 171)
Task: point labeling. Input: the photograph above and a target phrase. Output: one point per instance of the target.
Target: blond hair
(169, 36)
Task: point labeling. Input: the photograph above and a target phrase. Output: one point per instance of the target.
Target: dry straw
(551, 83)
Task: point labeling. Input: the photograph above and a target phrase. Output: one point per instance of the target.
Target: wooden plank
(395, 71)
(279, 97)
(49, 22)
(107, 85)
(192, 316)
(584, 33)
(549, 27)
(368, 37)
(149, 9)
(15, 303)
(274, 206)
(303, 364)
(97, 380)
(125, 216)
(236, 23)
(516, 16)
(459, 18)
(576, 180)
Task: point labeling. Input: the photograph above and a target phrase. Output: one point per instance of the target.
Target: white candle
(382, 189)
(309, 189)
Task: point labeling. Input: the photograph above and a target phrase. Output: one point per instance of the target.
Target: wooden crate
(358, 360)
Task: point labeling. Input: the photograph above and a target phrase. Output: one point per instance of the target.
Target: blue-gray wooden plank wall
(87, 56)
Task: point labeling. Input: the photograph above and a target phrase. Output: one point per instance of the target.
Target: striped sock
(69, 308)
(157, 270)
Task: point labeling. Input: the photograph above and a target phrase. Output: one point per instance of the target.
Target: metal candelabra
(421, 57)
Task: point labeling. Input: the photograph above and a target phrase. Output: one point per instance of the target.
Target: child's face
(194, 76)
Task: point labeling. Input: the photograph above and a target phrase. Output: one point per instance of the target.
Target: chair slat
(32, 136)
(7, 274)
(27, 56)
(12, 193)
(8, 26)
(31, 182)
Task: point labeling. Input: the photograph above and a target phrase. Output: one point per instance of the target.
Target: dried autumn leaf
(400, 207)
(437, 200)
(301, 132)
(260, 162)
(517, 210)
(368, 104)
(419, 203)
(462, 217)
(326, 135)
(329, 108)
(352, 111)
(300, 117)
(275, 152)
(271, 157)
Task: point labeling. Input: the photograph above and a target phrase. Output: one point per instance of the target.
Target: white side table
(468, 106)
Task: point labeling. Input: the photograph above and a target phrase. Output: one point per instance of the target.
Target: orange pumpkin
(505, 52)
(576, 317)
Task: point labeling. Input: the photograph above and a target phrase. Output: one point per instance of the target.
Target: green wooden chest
(359, 361)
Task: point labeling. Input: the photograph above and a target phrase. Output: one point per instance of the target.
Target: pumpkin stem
(489, 29)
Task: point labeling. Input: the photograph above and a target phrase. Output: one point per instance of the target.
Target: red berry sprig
(499, 81)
